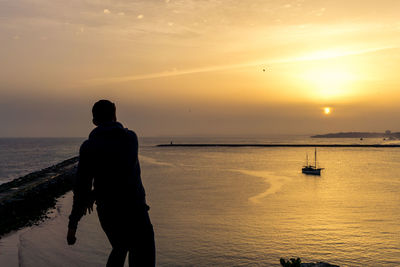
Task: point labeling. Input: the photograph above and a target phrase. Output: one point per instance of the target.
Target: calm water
(246, 207)
(20, 156)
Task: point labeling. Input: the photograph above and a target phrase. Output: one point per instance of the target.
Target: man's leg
(117, 257)
(143, 255)
(143, 251)
(115, 230)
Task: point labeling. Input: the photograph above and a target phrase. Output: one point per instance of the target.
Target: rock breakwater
(25, 201)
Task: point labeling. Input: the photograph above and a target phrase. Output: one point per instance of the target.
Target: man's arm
(82, 192)
(141, 194)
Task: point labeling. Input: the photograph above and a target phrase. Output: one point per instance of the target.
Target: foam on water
(274, 181)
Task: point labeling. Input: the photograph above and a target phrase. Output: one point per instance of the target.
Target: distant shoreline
(388, 134)
(279, 145)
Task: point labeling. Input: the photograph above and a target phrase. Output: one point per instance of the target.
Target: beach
(45, 244)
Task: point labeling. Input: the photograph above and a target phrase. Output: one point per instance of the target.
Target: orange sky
(197, 67)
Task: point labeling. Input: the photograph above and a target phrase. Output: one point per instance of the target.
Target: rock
(36, 193)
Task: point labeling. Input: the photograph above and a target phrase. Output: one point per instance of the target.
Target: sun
(327, 110)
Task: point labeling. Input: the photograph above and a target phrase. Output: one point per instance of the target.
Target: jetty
(25, 201)
(280, 145)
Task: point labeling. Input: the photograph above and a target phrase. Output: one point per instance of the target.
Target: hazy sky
(200, 67)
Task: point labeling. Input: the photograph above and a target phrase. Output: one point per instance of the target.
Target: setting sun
(327, 110)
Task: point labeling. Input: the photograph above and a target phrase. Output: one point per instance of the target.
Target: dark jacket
(108, 161)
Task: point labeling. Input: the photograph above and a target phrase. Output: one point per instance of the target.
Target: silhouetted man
(108, 160)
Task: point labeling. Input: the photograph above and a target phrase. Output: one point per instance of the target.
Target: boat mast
(315, 157)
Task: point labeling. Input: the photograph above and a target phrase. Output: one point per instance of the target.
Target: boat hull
(311, 171)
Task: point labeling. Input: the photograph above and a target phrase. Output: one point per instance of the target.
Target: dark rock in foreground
(296, 262)
(24, 201)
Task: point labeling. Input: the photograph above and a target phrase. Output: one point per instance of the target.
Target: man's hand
(89, 204)
(89, 207)
(71, 239)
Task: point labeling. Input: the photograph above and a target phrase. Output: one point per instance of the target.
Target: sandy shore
(39, 204)
(45, 244)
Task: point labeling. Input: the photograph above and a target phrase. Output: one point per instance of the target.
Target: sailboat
(312, 169)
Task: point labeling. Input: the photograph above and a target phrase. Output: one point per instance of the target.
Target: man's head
(103, 111)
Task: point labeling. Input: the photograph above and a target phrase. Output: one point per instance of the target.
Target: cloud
(319, 12)
(106, 11)
(328, 54)
(321, 55)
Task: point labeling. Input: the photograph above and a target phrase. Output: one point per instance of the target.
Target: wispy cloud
(336, 53)
(320, 55)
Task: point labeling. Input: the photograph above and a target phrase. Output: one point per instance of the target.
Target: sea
(230, 206)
